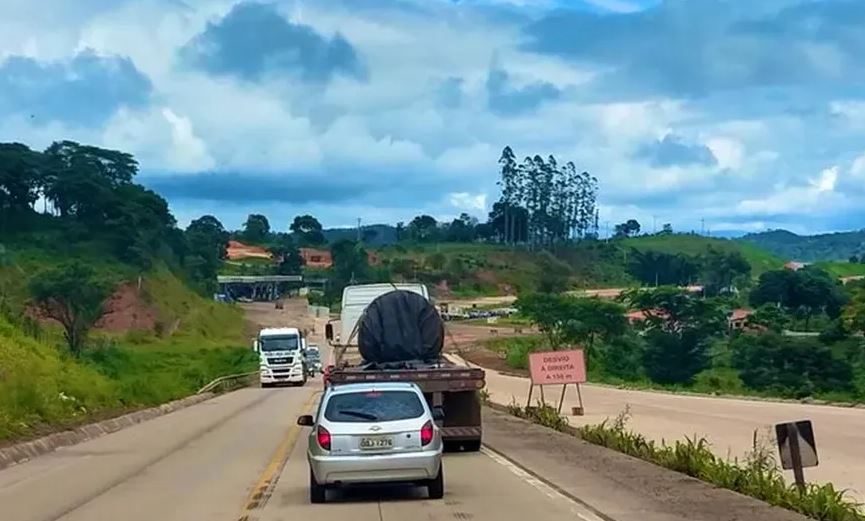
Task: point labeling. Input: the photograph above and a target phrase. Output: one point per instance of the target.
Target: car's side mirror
(255, 345)
(328, 331)
(438, 413)
(305, 420)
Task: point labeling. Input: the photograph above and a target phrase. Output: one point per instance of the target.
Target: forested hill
(810, 248)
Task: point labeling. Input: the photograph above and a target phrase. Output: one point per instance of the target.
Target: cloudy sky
(749, 117)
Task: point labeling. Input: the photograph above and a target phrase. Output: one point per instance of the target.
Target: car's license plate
(378, 442)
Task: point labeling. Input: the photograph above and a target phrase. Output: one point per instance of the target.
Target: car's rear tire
(317, 492)
(436, 487)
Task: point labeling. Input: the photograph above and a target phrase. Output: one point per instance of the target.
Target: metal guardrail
(228, 383)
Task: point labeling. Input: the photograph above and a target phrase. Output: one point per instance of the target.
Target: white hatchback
(374, 433)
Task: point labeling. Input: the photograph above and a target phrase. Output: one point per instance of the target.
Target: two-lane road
(195, 464)
(217, 461)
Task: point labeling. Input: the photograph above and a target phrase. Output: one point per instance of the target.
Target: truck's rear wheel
(462, 445)
(471, 445)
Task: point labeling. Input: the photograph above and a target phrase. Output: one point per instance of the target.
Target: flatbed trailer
(453, 388)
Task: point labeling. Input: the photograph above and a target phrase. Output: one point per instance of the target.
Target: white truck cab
(281, 356)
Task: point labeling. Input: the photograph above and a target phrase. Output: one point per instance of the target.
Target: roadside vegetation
(670, 339)
(757, 475)
(105, 305)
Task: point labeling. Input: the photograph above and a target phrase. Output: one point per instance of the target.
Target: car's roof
(373, 386)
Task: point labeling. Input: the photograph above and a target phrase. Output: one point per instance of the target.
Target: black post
(796, 456)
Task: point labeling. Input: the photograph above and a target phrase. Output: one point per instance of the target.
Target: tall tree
(21, 171)
(208, 246)
(256, 229)
(721, 269)
(510, 188)
(678, 330)
(423, 228)
(308, 230)
(807, 292)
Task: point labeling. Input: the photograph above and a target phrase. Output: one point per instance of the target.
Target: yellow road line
(262, 490)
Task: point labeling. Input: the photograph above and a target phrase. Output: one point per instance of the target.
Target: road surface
(218, 460)
(728, 424)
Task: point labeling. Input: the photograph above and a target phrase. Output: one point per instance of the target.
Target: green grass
(842, 269)
(760, 260)
(42, 388)
(757, 476)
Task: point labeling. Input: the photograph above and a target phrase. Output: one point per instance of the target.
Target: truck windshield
(278, 343)
(374, 406)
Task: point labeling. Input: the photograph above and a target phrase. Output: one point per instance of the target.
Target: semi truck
(281, 356)
(449, 388)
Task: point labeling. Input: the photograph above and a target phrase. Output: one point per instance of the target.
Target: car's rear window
(373, 406)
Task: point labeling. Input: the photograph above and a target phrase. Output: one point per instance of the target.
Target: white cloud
(192, 151)
(393, 125)
(826, 181)
(818, 196)
(730, 153)
(468, 202)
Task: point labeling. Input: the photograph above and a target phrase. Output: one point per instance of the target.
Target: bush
(541, 414)
(790, 367)
(620, 358)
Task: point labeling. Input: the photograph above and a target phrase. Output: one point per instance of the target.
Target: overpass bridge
(264, 287)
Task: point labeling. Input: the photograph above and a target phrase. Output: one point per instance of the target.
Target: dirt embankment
(125, 310)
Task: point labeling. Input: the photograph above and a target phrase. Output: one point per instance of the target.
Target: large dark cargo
(400, 326)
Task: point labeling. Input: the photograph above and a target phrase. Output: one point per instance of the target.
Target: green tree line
(681, 339)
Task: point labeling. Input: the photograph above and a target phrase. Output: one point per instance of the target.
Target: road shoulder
(616, 486)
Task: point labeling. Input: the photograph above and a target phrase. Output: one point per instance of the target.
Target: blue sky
(747, 116)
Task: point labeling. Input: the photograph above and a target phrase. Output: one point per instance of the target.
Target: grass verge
(43, 389)
(757, 476)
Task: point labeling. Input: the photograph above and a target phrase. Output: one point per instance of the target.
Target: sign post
(558, 368)
(797, 448)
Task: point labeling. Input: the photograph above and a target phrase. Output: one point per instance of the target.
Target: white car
(374, 433)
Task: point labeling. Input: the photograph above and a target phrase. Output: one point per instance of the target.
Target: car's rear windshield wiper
(358, 414)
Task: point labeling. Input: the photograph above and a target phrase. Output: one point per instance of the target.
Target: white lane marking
(577, 509)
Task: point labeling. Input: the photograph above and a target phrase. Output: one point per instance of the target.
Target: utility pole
(358, 229)
(654, 224)
(702, 226)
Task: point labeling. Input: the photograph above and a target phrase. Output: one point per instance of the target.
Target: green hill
(760, 260)
(469, 269)
(824, 247)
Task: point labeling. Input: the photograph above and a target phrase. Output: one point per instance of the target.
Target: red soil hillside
(238, 250)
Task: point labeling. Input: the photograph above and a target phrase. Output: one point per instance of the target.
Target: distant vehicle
(281, 356)
(454, 388)
(374, 433)
(244, 299)
(313, 360)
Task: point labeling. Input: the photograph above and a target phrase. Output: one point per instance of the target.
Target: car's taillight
(426, 433)
(323, 437)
